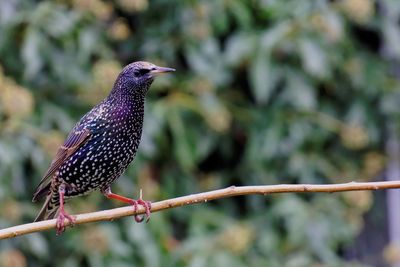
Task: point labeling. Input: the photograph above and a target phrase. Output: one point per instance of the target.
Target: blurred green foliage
(265, 92)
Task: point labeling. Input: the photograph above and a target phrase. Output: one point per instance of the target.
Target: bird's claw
(147, 207)
(60, 224)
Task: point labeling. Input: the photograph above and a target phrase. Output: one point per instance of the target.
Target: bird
(100, 147)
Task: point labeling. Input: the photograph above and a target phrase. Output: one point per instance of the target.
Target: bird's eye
(141, 72)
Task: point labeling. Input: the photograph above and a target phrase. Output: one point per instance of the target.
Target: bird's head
(139, 75)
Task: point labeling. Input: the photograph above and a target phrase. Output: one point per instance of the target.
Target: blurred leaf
(206, 60)
(31, 53)
(300, 93)
(239, 48)
(37, 244)
(314, 58)
(263, 77)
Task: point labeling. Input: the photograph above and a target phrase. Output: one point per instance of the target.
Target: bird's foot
(135, 203)
(60, 224)
(146, 205)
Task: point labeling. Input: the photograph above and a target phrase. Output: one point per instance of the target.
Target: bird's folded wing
(74, 141)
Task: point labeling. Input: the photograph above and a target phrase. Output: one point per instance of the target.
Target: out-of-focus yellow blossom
(354, 137)
(15, 100)
(11, 210)
(373, 163)
(391, 254)
(133, 5)
(119, 30)
(105, 72)
(100, 9)
(219, 119)
(51, 141)
(362, 200)
(199, 30)
(237, 238)
(95, 239)
(12, 258)
(201, 85)
(360, 11)
(327, 25)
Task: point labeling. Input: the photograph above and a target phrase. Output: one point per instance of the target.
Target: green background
(265, 92)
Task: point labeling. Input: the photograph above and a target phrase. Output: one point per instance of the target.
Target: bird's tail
(50, 208)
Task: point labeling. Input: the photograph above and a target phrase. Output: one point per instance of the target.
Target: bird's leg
(146, 204)
(62, 215)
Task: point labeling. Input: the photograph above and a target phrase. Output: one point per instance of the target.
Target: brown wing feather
(74, 141)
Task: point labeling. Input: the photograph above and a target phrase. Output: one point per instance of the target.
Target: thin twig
(112, 214)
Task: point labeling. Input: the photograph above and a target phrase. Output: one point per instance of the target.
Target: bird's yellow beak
(159, 70)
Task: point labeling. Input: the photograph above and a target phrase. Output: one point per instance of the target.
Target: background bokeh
(266, 92)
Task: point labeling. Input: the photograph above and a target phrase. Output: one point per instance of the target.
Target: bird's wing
(74, 141)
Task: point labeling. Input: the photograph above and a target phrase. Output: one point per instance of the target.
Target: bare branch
(112, 214)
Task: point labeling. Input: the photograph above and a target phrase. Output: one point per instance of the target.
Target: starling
(100, 146)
